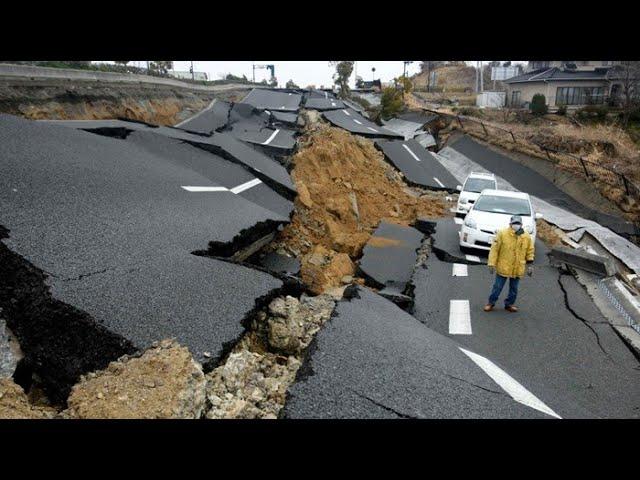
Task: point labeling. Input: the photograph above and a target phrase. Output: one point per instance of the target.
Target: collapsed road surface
(116, 234)
(98, 234)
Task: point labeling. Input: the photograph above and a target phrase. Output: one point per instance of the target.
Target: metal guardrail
(592, 171)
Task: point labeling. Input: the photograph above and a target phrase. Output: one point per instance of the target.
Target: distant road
(32, 73)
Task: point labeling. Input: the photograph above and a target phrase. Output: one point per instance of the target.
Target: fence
(592, 171)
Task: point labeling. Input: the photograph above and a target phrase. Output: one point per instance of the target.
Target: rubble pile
(253, 381)
(345, 188)
(163, 382)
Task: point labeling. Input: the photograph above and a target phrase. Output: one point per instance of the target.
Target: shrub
(592, 112)
(562, 110)
(391, 102)
(538, 104)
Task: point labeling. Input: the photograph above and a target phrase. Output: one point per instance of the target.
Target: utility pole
(481, 78)
(373, 74)
(193, 75)
(254, 71)
(477, 76)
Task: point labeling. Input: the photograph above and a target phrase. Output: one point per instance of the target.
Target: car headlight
(471, 223)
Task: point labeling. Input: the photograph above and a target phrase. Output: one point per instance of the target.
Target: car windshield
(507, 205)
(476, 185)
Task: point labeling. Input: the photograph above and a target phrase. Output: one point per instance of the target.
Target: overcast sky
(302, 73)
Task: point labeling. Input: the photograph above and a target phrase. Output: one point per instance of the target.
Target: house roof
(555, 74)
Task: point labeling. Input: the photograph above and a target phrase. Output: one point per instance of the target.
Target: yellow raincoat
(510, 253)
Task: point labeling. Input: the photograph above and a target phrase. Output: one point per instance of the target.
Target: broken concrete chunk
(250, 385)
(10, 352)
(164, 382)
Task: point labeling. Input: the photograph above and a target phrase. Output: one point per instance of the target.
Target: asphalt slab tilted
(374, 360)
(353, 122)
(417, 164)
(111, 226)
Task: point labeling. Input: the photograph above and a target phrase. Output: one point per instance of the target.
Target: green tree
(391, 102)
(538, 105)
(291, 84)
(405, 83)
(161, 66)
(341, 77)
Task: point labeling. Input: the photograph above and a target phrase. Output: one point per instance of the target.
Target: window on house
(580, 95)
(515, 98)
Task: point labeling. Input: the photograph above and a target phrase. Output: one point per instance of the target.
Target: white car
(491, 212)
(475, 183)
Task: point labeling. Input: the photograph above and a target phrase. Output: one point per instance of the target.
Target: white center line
(459, 317)
(205, 189)
(412, 154)
(458, 220)
(246, 186)
(508, 384)
(439, 182)
(273, 135)
(346, 113)
(373, 129)
(459, 270)
(472, 258)
(357, 121)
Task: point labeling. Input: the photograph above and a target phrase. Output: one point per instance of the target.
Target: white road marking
(282, 107)
(439, 182)
(325, 95)
(357, 121)
(459, 270)
(333, 104)
(626, 294)
(236, 190)
(459, 317)
(508, 384)
(267, 112)
(415, 157)
(273, 135)
(472, 258)
(246, 186)
(458, 220)
(372, 129)
(346, 113)
(453, 210)
(205, 189)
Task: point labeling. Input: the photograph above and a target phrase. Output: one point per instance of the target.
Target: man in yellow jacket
(511, 251)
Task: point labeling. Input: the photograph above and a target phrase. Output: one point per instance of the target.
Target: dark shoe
(511, 308)
(488, 307)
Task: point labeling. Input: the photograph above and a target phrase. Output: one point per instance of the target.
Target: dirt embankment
(345, 188)
(56, 100)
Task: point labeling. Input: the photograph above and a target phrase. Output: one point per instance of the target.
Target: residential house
(571, 83)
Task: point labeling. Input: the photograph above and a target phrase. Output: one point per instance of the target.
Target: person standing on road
(511, 251)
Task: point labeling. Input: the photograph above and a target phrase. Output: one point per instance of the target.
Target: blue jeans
(497, 288)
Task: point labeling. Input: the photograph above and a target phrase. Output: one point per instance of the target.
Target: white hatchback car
(492, 211)
(473, 185)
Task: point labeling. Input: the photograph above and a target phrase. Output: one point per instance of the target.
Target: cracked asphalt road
(578, 366)
(110, 223)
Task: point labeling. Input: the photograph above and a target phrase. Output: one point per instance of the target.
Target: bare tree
(627, 75)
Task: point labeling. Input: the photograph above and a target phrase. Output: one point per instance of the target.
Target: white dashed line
(372, 129)
(246, 186)
(439, 182)
(459, 270)
(472, 258)
(357, 121)
(346, 113)
(206, 189)
(415, 157)
(459, 317)
(508, 384)
(273, 135)
(458, 220)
